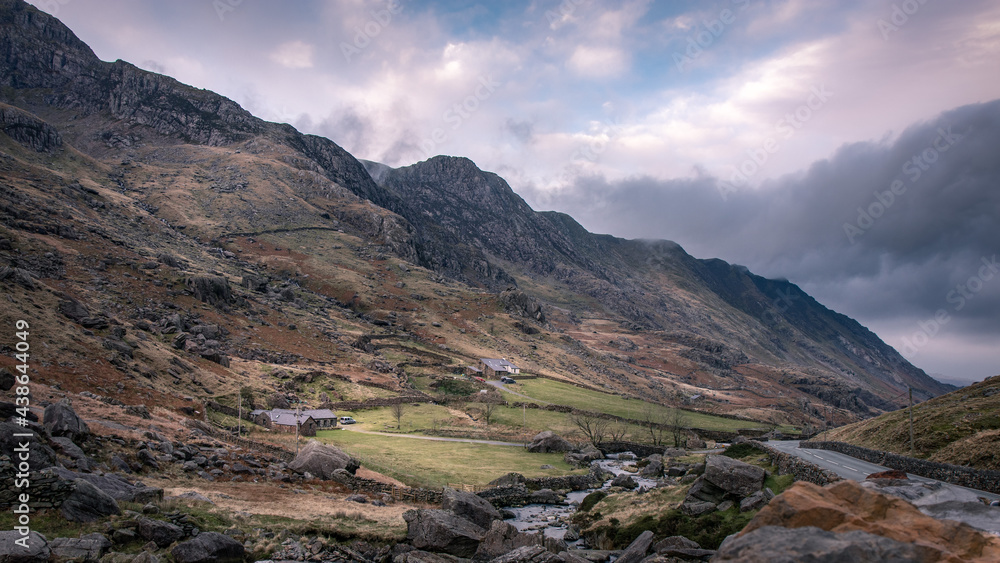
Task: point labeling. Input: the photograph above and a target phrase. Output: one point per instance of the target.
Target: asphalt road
(852, 468)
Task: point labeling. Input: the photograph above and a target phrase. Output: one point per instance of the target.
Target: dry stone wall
(801, 469)
(46, 489)
(981, 479)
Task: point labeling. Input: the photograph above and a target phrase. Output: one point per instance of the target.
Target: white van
(347, 420)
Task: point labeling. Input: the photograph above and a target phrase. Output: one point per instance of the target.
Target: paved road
(849, 467)
(354, 428)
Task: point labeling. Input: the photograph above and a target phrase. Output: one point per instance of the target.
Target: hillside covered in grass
(961, 427)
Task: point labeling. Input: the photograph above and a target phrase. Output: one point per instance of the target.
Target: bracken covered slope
(161, 208)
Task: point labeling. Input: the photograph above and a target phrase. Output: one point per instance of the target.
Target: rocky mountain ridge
(125, 190)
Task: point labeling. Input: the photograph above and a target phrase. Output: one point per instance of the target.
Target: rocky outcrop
(159, 532)
(636, 551)
(209, 547)
(847, 506)
(321, 461)
(549, 441)
(28, 130)
(521, 304)
(213, 290)
(87, 549)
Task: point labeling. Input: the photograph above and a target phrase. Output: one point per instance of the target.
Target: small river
(553, 519)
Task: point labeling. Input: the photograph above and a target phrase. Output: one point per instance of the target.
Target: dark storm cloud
(889, 231)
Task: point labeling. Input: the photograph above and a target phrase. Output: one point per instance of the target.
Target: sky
(851, 147)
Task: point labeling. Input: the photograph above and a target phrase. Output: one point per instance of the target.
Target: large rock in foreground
(549, 441)
(846, 506)
(442, 531)
(87, 503)
(773, 544)
(209, 547)
(322, 461)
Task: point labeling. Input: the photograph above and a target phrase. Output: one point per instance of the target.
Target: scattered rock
(624, 481)
(757, 500)
(7, 380)
(527, 554)
(546, 496)
(498, 540)
(734, 476)
(213, 290)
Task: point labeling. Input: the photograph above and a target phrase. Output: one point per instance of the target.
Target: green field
(433, 464)
(559, 393)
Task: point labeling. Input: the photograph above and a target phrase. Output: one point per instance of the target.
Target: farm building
(287, 422)
(496, 368)
(283, 419)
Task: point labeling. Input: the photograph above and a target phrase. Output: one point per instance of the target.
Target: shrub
(592, 499)
(738, 451)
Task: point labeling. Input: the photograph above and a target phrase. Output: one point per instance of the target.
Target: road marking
(817, 457)
(852, 469)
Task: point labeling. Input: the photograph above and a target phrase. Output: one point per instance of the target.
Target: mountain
(134, 202)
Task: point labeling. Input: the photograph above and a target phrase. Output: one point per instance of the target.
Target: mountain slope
(653, 285)
(107, 164)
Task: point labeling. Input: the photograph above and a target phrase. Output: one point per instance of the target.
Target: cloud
(891, 232)
(294, 54)
(598, 62)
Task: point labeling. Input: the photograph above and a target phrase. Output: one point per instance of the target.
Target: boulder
(545, 496)
(675, 542)
(508, 480)
(66, 447)
(321, 460)
(159, 532)
(674, 452)
(734, 476)
(652, 470)
(61, 420)
(583, 456)
(498, 540)
(527, 554)
(116, 486)
(847, 506)
(442, 531)
(470, 506)
(87, 503)
(637, 550)
(696, 507)
(209, 547)
(624, 481)
(549, 441)
(37, 550)
(86, 549)
(784, 545)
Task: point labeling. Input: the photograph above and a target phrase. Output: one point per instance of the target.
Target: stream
(553, 519)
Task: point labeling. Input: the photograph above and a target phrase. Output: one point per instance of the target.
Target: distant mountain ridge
(449, 216)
